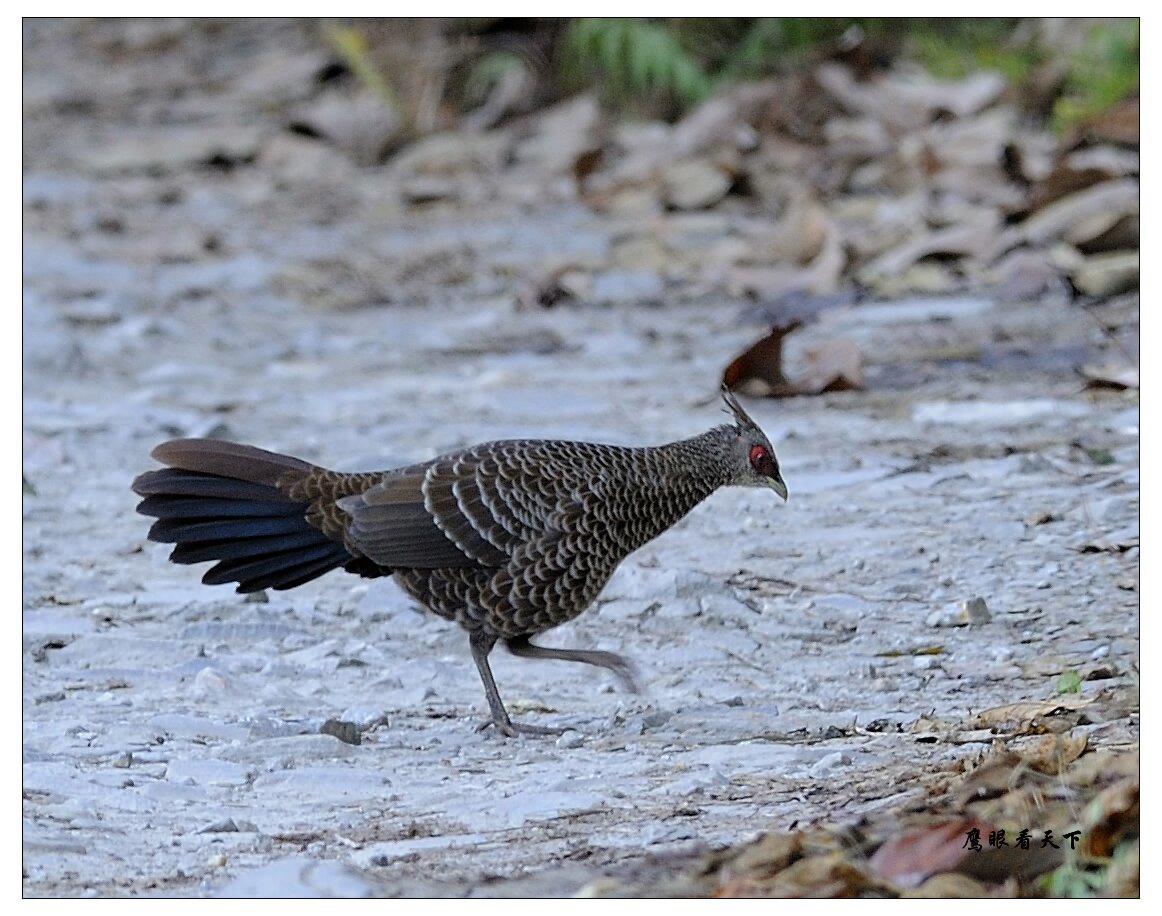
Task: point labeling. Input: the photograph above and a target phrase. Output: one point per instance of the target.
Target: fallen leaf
(821, 876)
(1109, 200)
(760, 366)
(910, 101)
(910, 858)
(770, 854)
(1105, 275)
(1115, 542)
(1063, 181)
(835, 365)
(1120, 124)
(1053, 753)
(974, 239)
(694, 184)
(948, 886)
(935, 649)
(993, 777)
(1034, 717)
(802, 230)
(1111, 817)
(585, 164)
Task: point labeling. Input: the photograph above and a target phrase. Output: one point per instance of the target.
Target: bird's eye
(760, 460)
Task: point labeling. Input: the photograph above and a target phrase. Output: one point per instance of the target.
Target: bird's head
(755, 463)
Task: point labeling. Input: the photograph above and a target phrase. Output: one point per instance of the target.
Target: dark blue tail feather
(260, 537)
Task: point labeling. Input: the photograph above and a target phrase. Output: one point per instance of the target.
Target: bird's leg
(482, 644)
(622, 667)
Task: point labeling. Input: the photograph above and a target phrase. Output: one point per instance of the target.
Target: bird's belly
(518, 600)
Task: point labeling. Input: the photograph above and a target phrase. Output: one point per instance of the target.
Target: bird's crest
(741, 417)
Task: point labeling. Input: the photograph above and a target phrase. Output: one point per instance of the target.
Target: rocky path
(802, 663)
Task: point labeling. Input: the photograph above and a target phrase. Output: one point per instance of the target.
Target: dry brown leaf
(909, 101)
(760, 366)
(363, 125)
(585, 164)
(820, 277)
(770, 854)
(1109, 200)
(835, 365)
(974, 239)
(1065, 180)
(1104, 275)
(802, 230)
(694, 184)
(1034, 717)
(910, 858)
(996, 775)
(857, 138)
(1112, 817)
(821, 876)
(557, 135)
(1116, 376)
(948, 886)
(724, 120)
(1120, 124)
(1118, 541)
(1123, 233)
(1123, 876)
(997, 864)
(1053, 753)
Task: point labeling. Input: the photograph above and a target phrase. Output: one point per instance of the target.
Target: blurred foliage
(1101, 456)
(664, 67)
(1086, 874)
(1071, 880)
(487, 72)
(352, 46)
(632, 60)
(954, 48)
(1104, 71)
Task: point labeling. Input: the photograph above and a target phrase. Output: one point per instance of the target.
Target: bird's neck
(674, 479)
(697, 466)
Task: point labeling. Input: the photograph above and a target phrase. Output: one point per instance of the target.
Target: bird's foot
(511, 729)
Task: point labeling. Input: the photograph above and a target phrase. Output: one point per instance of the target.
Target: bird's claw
(511, 729)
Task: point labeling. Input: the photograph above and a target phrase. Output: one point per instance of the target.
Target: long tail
(227, 502)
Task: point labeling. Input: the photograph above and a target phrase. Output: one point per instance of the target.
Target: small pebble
(208, 682)
(656, 718)
(223, 826)
(826, 764)
(347, 732)
(970, 611)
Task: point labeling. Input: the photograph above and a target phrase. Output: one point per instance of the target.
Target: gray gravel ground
(171, 731)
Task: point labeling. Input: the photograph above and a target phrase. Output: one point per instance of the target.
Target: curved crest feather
(741, 417)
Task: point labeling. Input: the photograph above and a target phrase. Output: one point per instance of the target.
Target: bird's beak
(776, 484)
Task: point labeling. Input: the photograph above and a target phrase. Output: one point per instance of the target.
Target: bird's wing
(389, 524)
(471, 508)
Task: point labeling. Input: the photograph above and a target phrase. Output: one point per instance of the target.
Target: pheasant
(506, 538)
